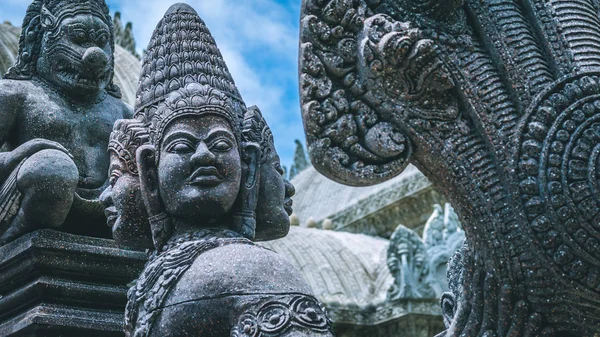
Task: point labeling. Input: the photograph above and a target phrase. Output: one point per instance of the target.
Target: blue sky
(258, 39)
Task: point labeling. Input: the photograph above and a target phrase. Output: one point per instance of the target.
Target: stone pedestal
(57, 284)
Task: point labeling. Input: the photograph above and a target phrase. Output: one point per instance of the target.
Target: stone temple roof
(343, 269)
(407, 199)
(127, 66)
(349, 274)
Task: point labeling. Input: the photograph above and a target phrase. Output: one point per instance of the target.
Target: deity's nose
(203, 156)
(95, 59)
(106, 197)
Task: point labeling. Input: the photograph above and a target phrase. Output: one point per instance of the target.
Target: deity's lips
(206, 176)
(111, 215)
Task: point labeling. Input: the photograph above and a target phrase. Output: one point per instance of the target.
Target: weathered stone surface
(496, 103)
(58, 284)
(211, 182)
(127, 66)
(58, 106)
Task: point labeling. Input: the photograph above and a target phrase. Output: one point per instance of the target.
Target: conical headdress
(182, 59)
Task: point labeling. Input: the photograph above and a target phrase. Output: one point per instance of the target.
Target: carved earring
(160, 223)
(244, 216)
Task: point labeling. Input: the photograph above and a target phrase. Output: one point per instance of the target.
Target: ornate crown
(181, 52)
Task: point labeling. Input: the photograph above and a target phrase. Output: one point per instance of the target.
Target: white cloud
(259, 42)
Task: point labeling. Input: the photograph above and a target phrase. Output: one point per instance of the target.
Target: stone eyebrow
(179, 134)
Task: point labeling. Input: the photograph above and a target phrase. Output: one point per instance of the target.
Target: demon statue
(210, 182)
(497, 102)
(58, 104)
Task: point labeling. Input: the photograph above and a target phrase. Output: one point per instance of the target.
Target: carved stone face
(274, 191)
(124, 204)
(76, 55)
(199, 167)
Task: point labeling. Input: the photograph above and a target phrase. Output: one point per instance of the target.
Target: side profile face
(125, 211)
(199, 167)
(76, 54)
(274, 191)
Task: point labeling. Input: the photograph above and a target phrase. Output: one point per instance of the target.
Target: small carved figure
(58, 104)
(200, 180)
(125, 211)
(419, 265)
(496, 102)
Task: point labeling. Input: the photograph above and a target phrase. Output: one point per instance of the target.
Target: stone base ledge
(59, 284)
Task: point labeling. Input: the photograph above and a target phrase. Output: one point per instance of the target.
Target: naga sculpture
(211, 182)
(58, 104)
(497, 102)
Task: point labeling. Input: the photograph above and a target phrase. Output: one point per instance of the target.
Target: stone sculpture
(200, 176)
(419, 265)
(59, 104)
(300, 161)
(496, 103)
(125, 211)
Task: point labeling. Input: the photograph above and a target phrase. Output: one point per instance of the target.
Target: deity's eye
(78, 34)
(114, 176)
(221, 145)
(102, 39)
(180, 146)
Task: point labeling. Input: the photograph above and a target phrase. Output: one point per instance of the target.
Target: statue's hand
(10, 160)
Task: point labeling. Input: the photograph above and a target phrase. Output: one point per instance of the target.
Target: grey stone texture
(58, 284)
(127, 66)
(58, 106)
(211, 183)
(496, 103)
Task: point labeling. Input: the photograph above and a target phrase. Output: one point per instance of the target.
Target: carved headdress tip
(181, 7)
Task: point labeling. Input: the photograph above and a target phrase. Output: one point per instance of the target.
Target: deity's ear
(47, 19)
(160, 224)
(244, 217)
(251, 159)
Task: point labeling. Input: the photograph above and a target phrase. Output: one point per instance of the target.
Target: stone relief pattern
(504, 126)
(191, 57)
(376, 216)
(415, 262)
(279, 316)
(161, 274)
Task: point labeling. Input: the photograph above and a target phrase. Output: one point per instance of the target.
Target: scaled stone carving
(496, 102)
(419, 265)
(58, 104)
(211, 182)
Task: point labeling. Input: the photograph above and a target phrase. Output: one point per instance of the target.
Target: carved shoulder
(236, 269)
(14, 92)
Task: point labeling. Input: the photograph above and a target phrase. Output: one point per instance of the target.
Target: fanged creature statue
(211, 182)
(497, 102)
(58, 104)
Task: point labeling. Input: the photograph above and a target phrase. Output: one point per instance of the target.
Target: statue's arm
(11, 104)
